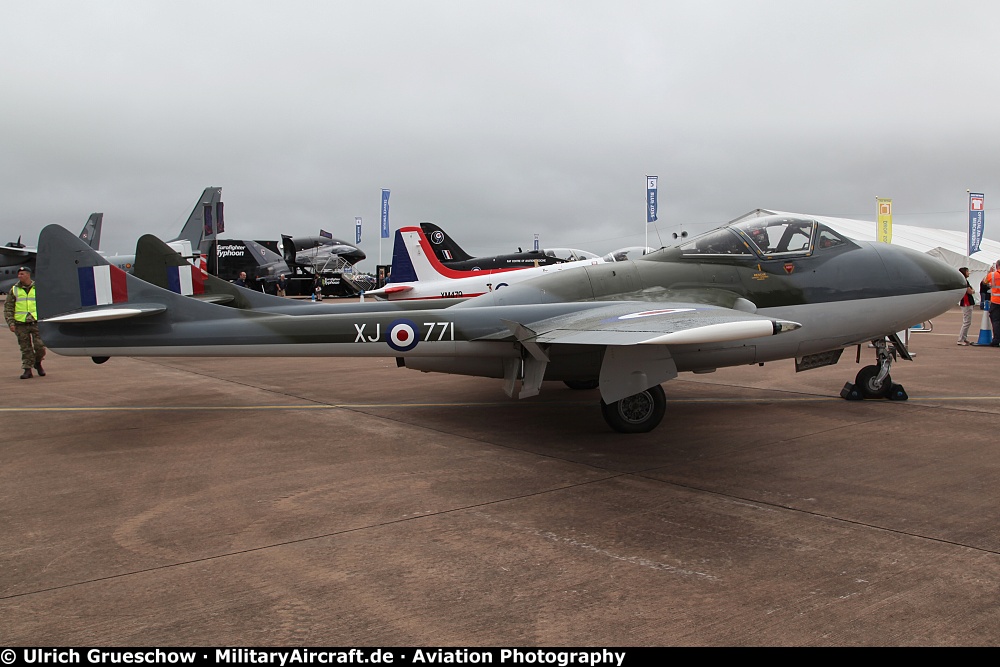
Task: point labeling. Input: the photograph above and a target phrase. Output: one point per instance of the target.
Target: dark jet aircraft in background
(452, 256)
(15, 254)
(303, 258)
(264, 267)
(320, 252)
(752, 292)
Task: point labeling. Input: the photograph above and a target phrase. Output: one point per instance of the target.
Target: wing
(20, 253)
(642, 323)
(637, 337)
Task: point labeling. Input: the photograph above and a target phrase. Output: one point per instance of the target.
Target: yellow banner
(883, 232)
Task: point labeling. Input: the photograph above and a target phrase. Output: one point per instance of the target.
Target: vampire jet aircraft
(452, 256)
(417, 273)
(771, 288)
(15, 254)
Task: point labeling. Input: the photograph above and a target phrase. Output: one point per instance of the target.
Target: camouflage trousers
(32, 347)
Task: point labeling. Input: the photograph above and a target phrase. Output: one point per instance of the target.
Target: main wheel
(581, 384)
(638, 413)
(865, 383)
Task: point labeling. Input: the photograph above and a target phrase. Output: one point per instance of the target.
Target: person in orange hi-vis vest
(993, 280)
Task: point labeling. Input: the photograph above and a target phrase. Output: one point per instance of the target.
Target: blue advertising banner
(385, 214)
(357, 230)
(977, 224)
(651, 199)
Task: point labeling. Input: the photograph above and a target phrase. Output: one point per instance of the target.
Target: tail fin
(160, 265)
(413, 260)
(288, 250)
(91, 234)
(445, 248)
(205, 220)
(82, 287)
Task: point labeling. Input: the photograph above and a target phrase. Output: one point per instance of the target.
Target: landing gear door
(628, 370)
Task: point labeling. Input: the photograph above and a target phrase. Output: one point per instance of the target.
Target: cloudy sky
(496, 120)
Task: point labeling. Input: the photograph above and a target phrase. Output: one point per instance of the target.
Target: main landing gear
(638, 413)
(874, 381)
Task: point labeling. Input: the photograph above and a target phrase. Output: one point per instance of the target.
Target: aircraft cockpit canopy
(770, 236)
(569, 254)
(776, 235)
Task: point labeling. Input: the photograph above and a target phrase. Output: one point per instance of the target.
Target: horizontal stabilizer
(10, 251)
(389, 289)
(214, 298)
(104, 314)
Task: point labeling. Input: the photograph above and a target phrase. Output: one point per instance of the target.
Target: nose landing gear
(874, 381)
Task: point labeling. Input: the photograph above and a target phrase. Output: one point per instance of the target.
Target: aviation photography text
(589, 657)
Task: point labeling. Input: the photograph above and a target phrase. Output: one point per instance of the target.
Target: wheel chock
(850, 393)
(897, 393)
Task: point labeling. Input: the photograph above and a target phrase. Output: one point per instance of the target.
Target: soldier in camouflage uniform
(21, 315)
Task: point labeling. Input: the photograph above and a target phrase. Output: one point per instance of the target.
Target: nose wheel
(874, 381)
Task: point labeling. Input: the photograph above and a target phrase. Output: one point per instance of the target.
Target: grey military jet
(15, 254)
(752, 292)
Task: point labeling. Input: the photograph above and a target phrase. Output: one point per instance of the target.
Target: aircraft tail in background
(205, 221)
(414, 260)
(445, 248)
(91, 234)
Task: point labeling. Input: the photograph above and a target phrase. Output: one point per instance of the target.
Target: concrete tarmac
(277, 502)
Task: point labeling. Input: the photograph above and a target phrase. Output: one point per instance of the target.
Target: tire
(866, 376)
(581, 385)
(638, 413)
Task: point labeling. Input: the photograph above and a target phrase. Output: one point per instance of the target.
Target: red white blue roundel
(437, 237)
(403, 335)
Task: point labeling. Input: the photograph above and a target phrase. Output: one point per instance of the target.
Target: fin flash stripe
(102, 285)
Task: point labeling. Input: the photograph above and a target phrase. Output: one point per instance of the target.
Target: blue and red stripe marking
(102, 285)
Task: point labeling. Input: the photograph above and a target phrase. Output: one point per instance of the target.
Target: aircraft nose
(918, 270)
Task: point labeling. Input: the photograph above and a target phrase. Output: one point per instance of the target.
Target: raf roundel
(437, 237)
(403, 335)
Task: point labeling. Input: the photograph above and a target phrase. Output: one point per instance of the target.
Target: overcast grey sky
(496, 120)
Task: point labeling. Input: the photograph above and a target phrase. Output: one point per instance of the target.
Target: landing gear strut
(638, 413)
(874, 381)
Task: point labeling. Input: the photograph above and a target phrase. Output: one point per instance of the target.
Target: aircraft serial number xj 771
(764, 289)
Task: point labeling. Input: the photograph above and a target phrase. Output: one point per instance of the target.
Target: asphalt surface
(348, 502)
